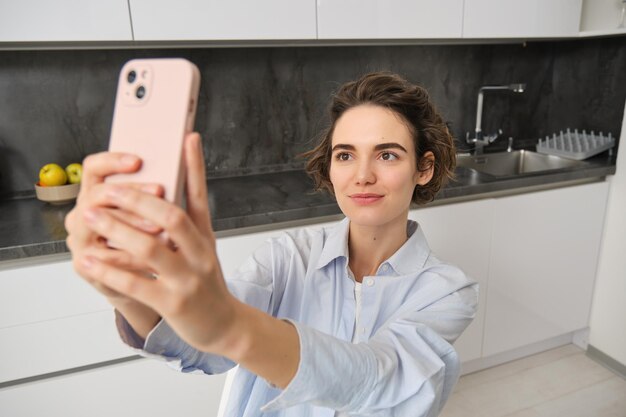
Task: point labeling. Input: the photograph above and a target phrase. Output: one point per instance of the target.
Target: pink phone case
(155, 107)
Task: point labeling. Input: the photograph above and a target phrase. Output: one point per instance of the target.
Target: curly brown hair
(412, 103)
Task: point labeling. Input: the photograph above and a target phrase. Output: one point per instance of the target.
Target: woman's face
(373, 167)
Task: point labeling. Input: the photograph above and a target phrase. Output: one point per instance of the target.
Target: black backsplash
(260, 107)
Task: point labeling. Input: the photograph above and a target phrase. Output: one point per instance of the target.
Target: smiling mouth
(366, 198)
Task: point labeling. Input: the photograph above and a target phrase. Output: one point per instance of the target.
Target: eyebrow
(379, 147)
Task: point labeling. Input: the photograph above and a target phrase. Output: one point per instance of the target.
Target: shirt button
(363, 330)
(369, 282)
(385, 268)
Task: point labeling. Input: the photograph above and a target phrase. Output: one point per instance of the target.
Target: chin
(370, 218)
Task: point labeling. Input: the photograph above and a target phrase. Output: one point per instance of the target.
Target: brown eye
(343, 156)
(388, 156)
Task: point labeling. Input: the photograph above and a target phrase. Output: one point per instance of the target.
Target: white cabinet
(389, 19)
(64, 20)
(534, 256)
(232, 251)
(250, 20)
(543, 261)
(461, 234)
(139, 388)
(521, 19)
(223, 20)
(51, 320)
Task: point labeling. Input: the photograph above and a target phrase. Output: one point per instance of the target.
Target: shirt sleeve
(408, 367)
(253, 283)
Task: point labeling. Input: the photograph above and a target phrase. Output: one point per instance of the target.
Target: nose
(365, 174)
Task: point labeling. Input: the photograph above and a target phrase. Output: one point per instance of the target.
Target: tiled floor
(561, 382)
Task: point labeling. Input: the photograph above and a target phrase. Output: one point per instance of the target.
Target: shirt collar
(336, 243)
(409, 258)
(413, 254)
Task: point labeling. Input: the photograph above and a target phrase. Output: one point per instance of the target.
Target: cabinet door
(521, 19)
(461, 234)
(64, 20)
(139, 388)
(223, 20)
(543, 264)
(51, 320)
(389, 19)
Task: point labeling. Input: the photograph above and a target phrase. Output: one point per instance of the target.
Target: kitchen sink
(503, 164)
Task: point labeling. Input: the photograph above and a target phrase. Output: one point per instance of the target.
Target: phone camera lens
(131, 76)
(141, 92)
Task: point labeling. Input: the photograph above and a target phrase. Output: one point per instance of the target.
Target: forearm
(410, 372)
(139, 316)
(266, 346)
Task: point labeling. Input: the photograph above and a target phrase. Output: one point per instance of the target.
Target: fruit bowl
(60, 194)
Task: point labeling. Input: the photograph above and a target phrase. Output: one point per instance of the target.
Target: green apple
(74, 172)
(52, 175)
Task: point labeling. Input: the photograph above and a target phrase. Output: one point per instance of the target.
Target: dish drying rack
(574, 145)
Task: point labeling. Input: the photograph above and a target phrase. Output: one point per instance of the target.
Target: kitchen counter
(29, 227)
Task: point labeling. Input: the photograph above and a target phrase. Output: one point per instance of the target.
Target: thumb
(197, 195)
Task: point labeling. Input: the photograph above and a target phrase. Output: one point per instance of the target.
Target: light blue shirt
(412, 311)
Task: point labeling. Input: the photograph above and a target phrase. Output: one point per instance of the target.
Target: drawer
(55, 345)
(36, 293)
(137, 388)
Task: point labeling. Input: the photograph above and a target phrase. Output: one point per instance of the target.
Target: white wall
(608, 311)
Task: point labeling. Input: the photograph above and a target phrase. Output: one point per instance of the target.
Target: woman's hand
(187, 287)
(189, 290)
(82, 241)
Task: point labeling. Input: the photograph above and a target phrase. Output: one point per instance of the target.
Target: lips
(366, 198)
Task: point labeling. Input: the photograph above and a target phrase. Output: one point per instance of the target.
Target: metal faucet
(480, 140)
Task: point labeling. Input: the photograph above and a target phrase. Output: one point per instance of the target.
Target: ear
(423, 177)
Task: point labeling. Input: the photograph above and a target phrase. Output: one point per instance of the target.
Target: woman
(358, 317)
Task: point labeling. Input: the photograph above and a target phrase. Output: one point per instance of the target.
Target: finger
(197, 196)
(106, 291)
(173, 219)
(100, 165)
(78, 236)
(135, 221)
(119, 259)
(94, 197)
(86, 275)
(74, 221)
(69, 220)
(131, 284)
(149, 250)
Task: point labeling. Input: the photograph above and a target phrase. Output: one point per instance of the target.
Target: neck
(369, 246)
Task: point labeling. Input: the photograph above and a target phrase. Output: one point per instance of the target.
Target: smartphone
(155, 107)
